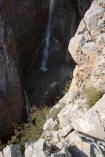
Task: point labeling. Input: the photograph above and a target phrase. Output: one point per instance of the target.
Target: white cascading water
(48, 32)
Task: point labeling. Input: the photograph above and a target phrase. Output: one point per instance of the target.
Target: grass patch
(24, 133)
(92, 96)
(38, 117)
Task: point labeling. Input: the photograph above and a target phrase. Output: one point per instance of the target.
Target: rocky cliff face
(73, 129)
(18, 41)
(72, 124)
(87, 49)
(28, 27)
(11, 100)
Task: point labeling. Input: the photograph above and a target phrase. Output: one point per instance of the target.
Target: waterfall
(47, 38)
(28, 108)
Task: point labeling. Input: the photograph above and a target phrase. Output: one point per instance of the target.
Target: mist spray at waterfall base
(43, 67)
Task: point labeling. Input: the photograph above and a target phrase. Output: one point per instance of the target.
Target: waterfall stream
(28, 108)
(47, 38)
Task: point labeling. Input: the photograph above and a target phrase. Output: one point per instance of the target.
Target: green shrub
(93, 95)
(25, 133)
(38, 117)
(35, 131)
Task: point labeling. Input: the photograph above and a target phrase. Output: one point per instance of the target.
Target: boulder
(84, 146)
(1, 154)
(37, 149)
(70, 111)
(12, 151)
(41, 149)
(92, 122)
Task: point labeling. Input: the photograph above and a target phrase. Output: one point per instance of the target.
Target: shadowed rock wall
(20, 33)
(11, 100)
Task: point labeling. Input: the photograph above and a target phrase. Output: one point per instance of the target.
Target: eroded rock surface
(84, 146)
(93, 121)
(87, 49)
(11, 99)
(12, 151)
(35, 149)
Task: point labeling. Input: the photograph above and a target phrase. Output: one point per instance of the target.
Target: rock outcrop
(11, 151)
(92, 122)
(35, 149)
(87, 48)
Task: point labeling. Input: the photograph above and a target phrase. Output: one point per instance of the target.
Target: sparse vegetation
(67, 86)
(24, 133)
(38, 117)
(93, 95)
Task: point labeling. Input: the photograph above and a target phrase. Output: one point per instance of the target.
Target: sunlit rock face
(87, 48)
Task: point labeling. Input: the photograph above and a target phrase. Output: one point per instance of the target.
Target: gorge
(72, 128)
(23, 25)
